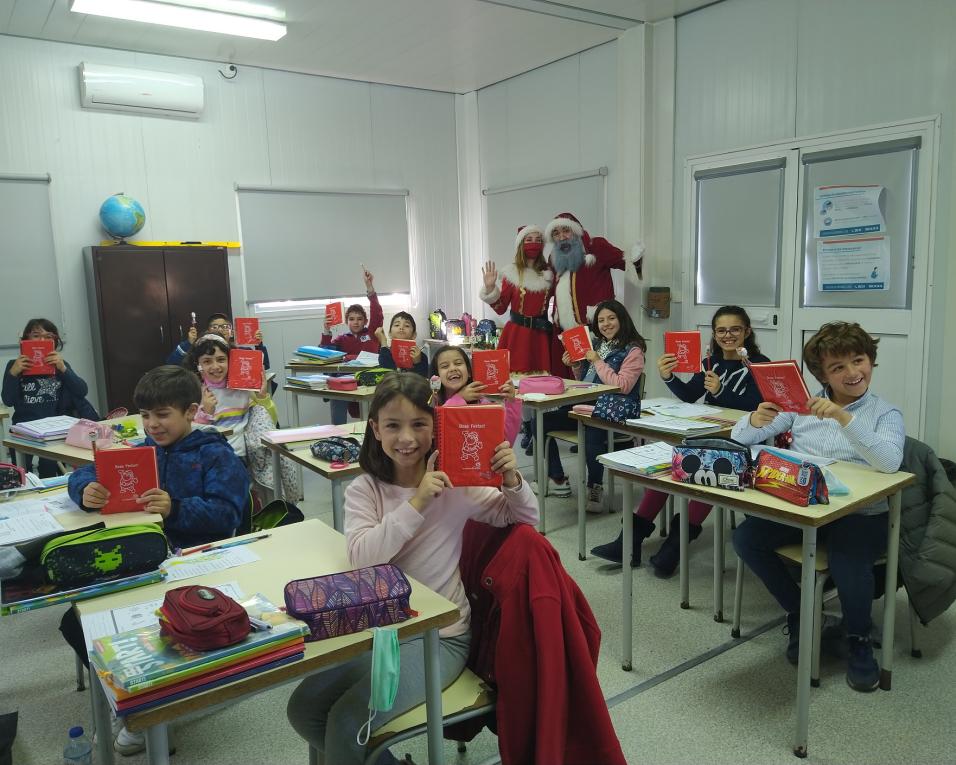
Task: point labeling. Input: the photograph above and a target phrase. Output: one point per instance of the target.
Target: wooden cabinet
(141, 299)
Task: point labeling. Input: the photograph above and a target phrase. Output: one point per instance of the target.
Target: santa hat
(561, 220)
(523, 231)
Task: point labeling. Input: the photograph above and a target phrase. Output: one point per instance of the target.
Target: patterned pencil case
(793, 480)
(616, 407)
(78, 558)
(705, 461)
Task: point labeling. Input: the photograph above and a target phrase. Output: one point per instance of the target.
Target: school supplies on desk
(791, 479)
(673, 424)
(90, 435)
(45, 429)
(225, 545)
(31, 590)
(672, 408)
(491, 369)
(402, 353)
(577, 342)
(126, 473)
(309, 433)
(37, 351)
(466, 438)
(82, 557)
(364, 359)
(781, 383)
(685, 345)
(20, 528)
(318, 354)
(245, 370)
(308, 382)
(649, 459)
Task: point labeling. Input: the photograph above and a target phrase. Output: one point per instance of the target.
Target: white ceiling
(449, 45)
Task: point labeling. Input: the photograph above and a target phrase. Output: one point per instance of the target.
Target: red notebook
(781, 383)
(686, 347)
(334, 314)
(402, 353)
(246, 331)
(491, 368)
(126, 473)
(577, 342)
(466, 437)
(245, 370)
(37, 351)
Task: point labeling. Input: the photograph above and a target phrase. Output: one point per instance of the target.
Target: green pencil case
(75, 559)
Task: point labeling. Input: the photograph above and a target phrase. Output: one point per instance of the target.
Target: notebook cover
(37, 351)
(577, 342)
(781, 383)
(466, 438)
(402, 353)
(491, 368)
(334, 314)
(686, 347)
(246, 331)
(245, 370)
(126, 473)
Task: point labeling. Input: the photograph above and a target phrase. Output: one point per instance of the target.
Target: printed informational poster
(848, 210)
(849, 265)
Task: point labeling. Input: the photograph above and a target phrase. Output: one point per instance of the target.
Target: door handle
(775, 320)
(162, 335)
(181, 330)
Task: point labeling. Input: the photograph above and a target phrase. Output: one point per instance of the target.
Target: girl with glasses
(725, 382)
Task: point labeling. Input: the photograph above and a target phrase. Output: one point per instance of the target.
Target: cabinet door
(197, 281)
(131, 295)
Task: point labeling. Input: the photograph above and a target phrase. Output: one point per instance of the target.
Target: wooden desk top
(360, 393)
(659, 435)
(4, 412)
(865, 484)
(298, 451)
(575, 392)
(323, 369)
(296, 551)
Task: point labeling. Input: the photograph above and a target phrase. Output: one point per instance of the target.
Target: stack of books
(31, 591)
(308, 381)
(315, 355)
(142, 669)
(649, 459)
(44, 430)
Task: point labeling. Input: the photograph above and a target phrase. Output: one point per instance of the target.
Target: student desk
(321, 369)
(5, 414)
(575, 392)
(363, 395)
(298, 452)
(300, 550)
(866, 486)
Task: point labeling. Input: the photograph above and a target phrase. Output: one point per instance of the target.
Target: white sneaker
(556, 489)
(128, 743)
(595, 499)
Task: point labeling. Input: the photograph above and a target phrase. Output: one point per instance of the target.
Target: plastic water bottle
(79, 750)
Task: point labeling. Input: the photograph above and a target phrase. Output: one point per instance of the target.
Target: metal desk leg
(338, 505)
(889, 597)
(433, 708)
(582, 469)
(277, 475)
(295, 410)
(540, 459)
(684, 541)
(364, 405)
(101, 721)
(157, 744)
(627, 576)
(718, 563)
(609, 497)
(807, 577)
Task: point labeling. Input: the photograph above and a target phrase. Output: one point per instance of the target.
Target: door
(197, 281)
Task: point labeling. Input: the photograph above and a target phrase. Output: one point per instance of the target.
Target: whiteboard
(308, 244)
(30, 288)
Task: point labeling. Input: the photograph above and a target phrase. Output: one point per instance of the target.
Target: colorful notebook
(686, 347)
(402, 353)
(781, 383)
(334, 314)
(577, 342)
(491, 368)
(246, 331)
(126, 473)
(245, 370)
(37, 351)
(466, 438)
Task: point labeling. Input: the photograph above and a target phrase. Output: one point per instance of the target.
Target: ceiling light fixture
(151, 12)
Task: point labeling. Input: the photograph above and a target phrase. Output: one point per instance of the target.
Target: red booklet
(246, 331)
(466, 437)
(245, 370)
(491, 368)
(126, 473)
(686, 347)
(781, 383)
(334, 314)
(402, 353)
(37, 351)
(577, 342)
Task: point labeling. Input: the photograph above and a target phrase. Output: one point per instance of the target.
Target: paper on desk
(641, 457)
(60, 504)
(21, 528)
(204, 563)
(678, 408)
(364, 359)
(673, 424)
(310, 433)
(803, 457)
(19, 508)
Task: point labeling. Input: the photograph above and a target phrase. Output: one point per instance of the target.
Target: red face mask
(533, 249)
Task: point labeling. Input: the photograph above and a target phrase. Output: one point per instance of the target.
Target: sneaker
(595, 498)
(559, 489)
(128, 743)
(862, 671)
(792, 631)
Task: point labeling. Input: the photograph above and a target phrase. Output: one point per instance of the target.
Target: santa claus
(583, 267)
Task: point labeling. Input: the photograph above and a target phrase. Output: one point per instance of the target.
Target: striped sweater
(232, 411)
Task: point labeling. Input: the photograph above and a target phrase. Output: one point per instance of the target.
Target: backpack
(202, 618)
(371, 376)
(436, 324)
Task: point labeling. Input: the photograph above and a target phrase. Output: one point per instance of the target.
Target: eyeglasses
(214, 327)
(724, 331)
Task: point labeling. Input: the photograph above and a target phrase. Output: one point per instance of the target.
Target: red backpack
(202, 618)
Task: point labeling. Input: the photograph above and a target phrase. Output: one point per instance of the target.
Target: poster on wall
(851, 265)
(848, 210)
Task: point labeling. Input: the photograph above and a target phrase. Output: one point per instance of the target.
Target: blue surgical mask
(385, 673)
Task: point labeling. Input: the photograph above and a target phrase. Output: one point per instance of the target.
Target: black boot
(667, 557)
(614, 551)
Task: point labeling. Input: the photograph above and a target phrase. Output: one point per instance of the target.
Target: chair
(793, 554)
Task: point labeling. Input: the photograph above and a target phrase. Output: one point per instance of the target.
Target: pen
(225, 545)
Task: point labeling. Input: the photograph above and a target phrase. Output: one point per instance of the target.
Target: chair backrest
(641, 381)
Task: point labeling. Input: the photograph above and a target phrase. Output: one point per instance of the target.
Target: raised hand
(472, 392)
(825, 409)
(209, 400)
(20, 363)
(504, 462)
(192, 335)
(489, 272)
(56, 360)
(369, 278)
(666, 364)
(433, 483)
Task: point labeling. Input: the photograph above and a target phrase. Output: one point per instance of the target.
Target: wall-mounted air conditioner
(121, 89)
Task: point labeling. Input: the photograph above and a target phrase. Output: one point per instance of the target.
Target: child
(36, 396)
(402, 327)
(403, 511)
(204, 485)
(452, 367)
(618, 360)
(217, 324)
(725, 382)
(846, 422)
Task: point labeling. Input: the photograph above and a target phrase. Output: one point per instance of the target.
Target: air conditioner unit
(120, 89)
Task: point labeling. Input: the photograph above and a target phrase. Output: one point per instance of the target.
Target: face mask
(533, 249)
(385, 673)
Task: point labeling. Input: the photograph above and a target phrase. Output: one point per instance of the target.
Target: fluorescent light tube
(180, 16)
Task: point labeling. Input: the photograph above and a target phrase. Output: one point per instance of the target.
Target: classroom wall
(264, 127)
(751, 71)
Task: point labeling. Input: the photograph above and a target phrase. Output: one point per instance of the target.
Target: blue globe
(121, 216)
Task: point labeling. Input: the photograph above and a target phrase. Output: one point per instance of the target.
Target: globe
(121, 216)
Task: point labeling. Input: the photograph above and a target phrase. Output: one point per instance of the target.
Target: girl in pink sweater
(403, 511)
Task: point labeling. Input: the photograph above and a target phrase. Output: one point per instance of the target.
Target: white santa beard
(564, 302)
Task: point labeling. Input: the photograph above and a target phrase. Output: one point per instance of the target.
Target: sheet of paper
(853, 265)
(61, 503)
(204, 563)
(641, 457)
(364, 359)
(22, 528)
(803, 456)
(310, 433)
(19, 508)
(848, 210)
(673, 424)
(681, 409)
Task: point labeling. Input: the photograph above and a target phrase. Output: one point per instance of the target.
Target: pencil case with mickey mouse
(82, 557)
(706, 461)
